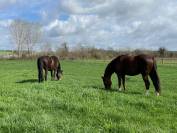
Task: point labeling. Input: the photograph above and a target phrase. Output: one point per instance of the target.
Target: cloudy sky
(117, 24)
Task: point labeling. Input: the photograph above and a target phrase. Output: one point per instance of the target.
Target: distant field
(78, 103)
(5, 52)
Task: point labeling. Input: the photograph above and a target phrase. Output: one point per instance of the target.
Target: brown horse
(133, 65)
(51, 64)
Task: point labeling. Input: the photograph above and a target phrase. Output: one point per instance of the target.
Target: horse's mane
(110, 68)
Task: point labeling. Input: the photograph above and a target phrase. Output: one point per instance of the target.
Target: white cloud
(5, 23)
(119, 23)
(108, 23)
(6, 3)
(109, 7)
(75, 24)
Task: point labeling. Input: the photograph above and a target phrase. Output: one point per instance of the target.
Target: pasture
(78, 103)
(3, 52)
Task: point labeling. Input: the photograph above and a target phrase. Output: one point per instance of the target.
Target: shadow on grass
(28, 81)
(100, 88)
(133, 92)
(113, 90)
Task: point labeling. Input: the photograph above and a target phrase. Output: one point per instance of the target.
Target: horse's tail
(155, 78)
(40, 70)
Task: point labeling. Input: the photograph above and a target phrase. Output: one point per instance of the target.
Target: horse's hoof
(120, 89)
(147, 92)
(157, 94)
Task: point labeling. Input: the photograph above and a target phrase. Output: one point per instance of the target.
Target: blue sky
(116, 24)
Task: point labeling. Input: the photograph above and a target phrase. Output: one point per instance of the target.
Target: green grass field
(3, 52)
(78, 103)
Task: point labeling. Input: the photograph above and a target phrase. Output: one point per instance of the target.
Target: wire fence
(167, 60)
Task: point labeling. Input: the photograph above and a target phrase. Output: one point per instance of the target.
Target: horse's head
(107, 82)
(59, 74)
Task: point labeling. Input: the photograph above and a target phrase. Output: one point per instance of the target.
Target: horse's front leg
(46, 72)
(119, 82)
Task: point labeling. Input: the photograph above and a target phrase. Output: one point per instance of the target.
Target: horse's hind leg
(147, 83)
(155, 79)
(40, 76)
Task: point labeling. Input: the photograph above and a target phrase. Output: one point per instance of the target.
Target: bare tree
(162, 52)
(64, 47)
(18, 33)
(25, 35)
(63, 50)
(32, 36)
(46, 48)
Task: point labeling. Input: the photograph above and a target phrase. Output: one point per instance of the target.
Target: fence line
(167, 60)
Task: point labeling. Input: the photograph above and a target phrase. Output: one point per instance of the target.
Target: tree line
(26, 35)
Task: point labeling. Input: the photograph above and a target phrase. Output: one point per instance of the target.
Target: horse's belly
(50, 69)
(132, 73)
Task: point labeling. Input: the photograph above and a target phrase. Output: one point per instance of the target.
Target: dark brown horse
(133, 65)
(51, 64)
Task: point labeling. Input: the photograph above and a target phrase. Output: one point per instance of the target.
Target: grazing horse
(132, 65)
(51, 64)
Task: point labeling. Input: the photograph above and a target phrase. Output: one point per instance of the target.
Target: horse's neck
(109, 71)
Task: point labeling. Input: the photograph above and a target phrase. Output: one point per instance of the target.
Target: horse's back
(134, 64)
(145, 57)
(129, 57)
